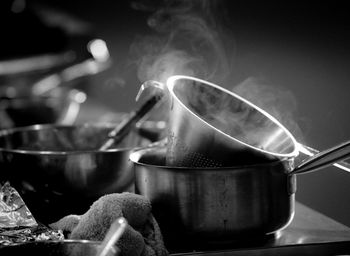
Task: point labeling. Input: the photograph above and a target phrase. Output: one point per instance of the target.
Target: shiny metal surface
(308, 151)
(211, 126)
(115, 231)
(128, 123)
(218, 204)
(60, 106)
(40, 89)
(88, 66)
(55, 248)
(324, 158)
(320, 249)
(58, 169)
(309, 233)
(214, 203)
(219, 125)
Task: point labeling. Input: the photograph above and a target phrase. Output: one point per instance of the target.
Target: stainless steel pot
(58, 170)
(221, 204)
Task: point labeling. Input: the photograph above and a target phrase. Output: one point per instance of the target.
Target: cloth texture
(142, 236)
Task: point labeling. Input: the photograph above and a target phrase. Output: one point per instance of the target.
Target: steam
(279, 103)
(233, 116)
(187, 41)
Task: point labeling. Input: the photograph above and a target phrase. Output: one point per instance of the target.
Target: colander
(210, 126)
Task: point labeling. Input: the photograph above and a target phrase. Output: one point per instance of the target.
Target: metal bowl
(53, 248)
(60, 106)
(59, 170)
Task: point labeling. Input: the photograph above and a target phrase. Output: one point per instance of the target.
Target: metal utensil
(97, 62)
(196, 139)
(213, 127)
(115, 231)
(309, 151)
(120, 131)
(324, 158)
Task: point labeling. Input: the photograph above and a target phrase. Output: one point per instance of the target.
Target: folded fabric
(142, 237)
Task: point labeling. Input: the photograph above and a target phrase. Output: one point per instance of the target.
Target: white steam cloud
(187, 41)
(281, 104)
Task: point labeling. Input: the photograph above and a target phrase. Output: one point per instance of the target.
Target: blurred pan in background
(44, 73)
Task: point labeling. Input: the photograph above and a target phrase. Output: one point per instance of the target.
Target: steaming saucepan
(228, 168)
(218, 204)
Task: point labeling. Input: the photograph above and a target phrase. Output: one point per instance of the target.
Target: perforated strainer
(210, 126)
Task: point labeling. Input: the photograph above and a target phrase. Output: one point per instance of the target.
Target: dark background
(299, 49)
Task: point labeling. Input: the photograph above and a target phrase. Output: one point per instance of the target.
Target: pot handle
(309, 151)
(324, 158)
(147, 84)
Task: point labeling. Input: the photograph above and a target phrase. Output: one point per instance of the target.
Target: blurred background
(292, 59)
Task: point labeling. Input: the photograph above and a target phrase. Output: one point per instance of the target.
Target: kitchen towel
(142, 236)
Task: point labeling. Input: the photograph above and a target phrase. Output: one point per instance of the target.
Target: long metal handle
(324, 158)
(99, 61)
(309, 151)
(119, 132)
(150, 83)
(114, 233)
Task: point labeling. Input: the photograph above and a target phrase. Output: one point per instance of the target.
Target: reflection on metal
(99, 50)
(36, 63)
(99, 62)
(78, 97)
(219, 117)
(148, 84)
(306, 150)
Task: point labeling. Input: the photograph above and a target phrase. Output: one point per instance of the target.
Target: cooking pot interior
(233, 115)
(59, 170)
(155, 157)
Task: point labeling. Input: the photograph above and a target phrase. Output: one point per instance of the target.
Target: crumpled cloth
(142, 237)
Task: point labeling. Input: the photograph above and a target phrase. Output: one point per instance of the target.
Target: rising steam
(281, 104)
(187, 41)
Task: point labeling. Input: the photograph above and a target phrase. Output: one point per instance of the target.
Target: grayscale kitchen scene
(174, 128)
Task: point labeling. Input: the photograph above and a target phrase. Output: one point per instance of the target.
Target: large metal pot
(59, 170)
(221, 204)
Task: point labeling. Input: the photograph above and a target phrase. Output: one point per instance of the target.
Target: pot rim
(93, 243)
(136, 155)
(170, 83)
(64, 241)
(9, 131)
